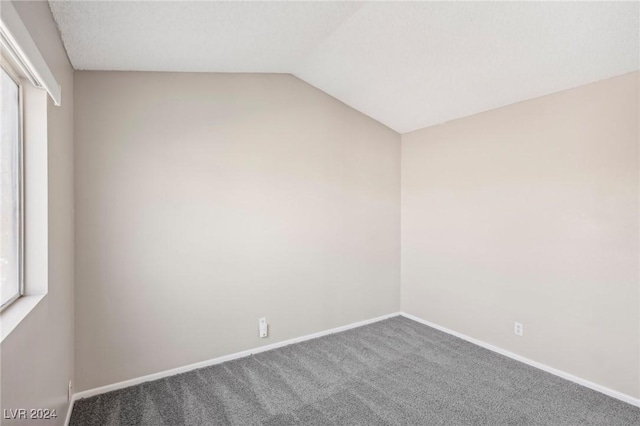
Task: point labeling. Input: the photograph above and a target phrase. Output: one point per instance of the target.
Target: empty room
(319, 213)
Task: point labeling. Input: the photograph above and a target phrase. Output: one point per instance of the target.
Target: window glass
(10, 182)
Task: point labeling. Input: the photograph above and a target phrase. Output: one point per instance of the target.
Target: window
(26, 84)
(11, 235)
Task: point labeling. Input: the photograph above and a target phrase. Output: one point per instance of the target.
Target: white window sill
(16, 312)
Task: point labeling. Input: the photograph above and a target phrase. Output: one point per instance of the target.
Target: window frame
(6, 67)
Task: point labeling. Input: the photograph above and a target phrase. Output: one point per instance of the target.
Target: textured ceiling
(407, 65)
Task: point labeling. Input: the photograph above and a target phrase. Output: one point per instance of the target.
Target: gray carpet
(391, 372)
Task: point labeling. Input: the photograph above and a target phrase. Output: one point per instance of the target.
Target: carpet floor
(392, 372)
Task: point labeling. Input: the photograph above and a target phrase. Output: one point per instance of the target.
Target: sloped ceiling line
(407, 65)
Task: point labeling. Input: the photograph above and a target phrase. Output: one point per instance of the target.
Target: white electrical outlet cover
(263, 327)
(518, 329)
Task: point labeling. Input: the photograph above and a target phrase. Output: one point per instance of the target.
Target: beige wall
(529, 213)
(207, 201)
(37, 357)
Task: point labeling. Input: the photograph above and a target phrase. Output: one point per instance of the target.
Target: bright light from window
(10, 190)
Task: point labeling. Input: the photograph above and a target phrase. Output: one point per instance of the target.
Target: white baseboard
(69, 410)
(586, 383)
(132, 382)
(219, 360)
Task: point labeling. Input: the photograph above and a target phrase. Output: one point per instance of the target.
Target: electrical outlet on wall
(70, 391)
(517, 329)
(263, 327)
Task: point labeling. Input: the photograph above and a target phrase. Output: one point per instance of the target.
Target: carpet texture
(392, 372)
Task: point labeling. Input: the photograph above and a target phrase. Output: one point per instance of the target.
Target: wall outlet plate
(70, 391)
(518, 329)
(263, 327)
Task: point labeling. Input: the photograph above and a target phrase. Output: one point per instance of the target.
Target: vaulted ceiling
(406, 64)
